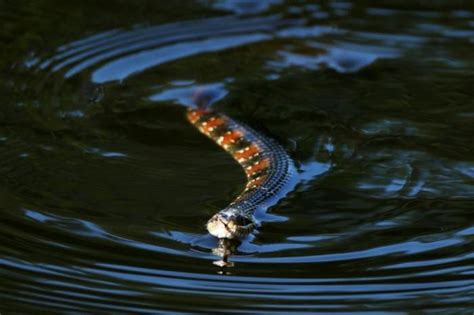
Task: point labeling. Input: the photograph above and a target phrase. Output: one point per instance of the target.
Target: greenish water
(105, 187)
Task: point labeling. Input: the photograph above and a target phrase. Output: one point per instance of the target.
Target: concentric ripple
(105, 188)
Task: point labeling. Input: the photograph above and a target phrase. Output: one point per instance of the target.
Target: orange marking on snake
(246, 153)
(229, 137)
(194, 115)
(211, 123)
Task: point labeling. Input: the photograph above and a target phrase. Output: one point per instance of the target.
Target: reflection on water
(106, 188)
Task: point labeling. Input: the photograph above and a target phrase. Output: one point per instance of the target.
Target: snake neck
(266, 164)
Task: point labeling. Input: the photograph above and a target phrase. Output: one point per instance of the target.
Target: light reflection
(401, 40)
(431, 262)
(468, 34)
(343, 59)
(462, 14)
(119, 42)
(122, 68)
(308, 31)
(391, 127)
(341, 5)
(466, 232)
(107, 154)
(186, 95)
(73, 225)
(243, 6)
(309, 170)
(466, 169)
(73, 113)
(405, 248)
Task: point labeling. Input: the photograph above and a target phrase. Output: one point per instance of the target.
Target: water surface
(105, 188)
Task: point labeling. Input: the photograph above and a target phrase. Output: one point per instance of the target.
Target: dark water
(105, 188)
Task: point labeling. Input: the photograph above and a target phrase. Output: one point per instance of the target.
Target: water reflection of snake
(268, 167)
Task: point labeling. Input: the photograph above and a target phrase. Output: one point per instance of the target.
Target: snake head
(230, 223)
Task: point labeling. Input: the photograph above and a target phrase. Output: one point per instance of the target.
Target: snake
(267, 166)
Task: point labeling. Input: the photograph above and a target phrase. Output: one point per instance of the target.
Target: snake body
(267, 166)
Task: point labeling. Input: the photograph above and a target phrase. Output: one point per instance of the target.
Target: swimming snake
(267, 166)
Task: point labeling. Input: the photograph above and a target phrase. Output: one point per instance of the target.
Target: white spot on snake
(244, 149)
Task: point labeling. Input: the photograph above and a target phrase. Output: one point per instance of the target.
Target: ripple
(112, 280)
(114, 43)
(117, 54)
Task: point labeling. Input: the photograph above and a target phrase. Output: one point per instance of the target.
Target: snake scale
(267, 166)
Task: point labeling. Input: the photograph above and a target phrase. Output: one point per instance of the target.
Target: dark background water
(105, 187)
